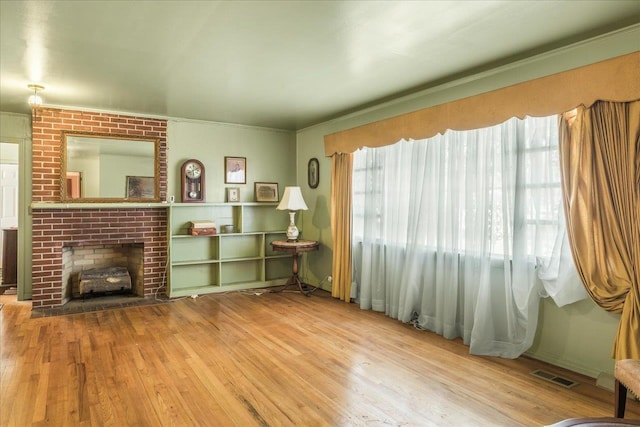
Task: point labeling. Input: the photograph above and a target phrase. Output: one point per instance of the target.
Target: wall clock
(192, 184)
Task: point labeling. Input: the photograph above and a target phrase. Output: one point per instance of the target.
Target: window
(535, 170)
(451, 232)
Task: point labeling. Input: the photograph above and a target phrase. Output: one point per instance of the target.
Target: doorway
(9, 183)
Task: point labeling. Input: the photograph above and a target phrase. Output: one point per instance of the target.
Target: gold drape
(341, 173)
(615, 79)
(600, 161)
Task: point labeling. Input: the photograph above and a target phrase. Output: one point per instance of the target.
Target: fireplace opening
(102, 270)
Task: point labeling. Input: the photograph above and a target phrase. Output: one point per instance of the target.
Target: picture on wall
(140, 187)
(233, 194)
(235, 170)
(266, 191)
(313, 173)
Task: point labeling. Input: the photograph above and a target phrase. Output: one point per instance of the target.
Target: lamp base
(292, 230)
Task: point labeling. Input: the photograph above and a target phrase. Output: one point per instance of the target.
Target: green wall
(270, 154)
(561, 338)
(578, 337)
(316, 222)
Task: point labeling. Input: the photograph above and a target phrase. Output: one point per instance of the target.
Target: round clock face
(192, 170)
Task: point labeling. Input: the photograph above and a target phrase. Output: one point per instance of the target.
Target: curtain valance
(612, 80)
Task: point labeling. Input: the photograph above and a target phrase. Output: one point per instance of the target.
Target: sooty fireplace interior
(103, 270)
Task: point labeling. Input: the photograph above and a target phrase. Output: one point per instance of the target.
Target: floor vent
(561, 381)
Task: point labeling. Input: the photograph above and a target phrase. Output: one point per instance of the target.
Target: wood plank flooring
(283, 359)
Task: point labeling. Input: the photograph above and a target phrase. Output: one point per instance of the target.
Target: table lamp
(292, 201)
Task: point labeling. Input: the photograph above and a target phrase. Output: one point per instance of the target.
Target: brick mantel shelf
(48, 205)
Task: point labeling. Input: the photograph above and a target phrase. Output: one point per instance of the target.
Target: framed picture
(266, 191)
(313, 173)
(235, 170)
(233, 194)
(140, 187)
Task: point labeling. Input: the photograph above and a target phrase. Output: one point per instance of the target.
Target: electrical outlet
(329, 279)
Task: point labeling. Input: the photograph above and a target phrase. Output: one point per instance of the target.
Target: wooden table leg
(295, 280)
(620, 399)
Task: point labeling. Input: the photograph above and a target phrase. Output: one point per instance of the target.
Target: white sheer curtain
(449, 232)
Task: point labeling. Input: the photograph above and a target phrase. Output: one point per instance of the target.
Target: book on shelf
(203, 224)
(202, 231)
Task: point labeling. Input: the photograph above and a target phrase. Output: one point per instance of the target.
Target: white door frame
(16, 129)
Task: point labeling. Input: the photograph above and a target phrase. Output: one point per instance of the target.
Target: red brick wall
(55, 228)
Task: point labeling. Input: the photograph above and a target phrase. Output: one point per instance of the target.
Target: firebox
(102, 270)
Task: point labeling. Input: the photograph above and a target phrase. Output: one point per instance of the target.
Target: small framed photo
(266, 191)
(235, 170)
(313, 173)
(140, 187)
(233, 194)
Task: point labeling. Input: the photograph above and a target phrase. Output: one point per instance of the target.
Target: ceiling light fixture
(35, 100)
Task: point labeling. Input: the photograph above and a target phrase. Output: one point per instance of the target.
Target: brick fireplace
(59, 229)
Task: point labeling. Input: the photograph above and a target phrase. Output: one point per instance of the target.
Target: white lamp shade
(292, 200)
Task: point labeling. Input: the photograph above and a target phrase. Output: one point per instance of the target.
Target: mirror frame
(63, 168)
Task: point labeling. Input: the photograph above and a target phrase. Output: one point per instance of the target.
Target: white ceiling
(281, 64)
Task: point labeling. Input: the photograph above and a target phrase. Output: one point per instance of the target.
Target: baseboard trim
(553, 359)
(606, 381)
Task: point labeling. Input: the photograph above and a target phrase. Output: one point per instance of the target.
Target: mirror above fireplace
(109, 168)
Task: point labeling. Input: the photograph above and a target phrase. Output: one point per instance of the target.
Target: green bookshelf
(242, 259)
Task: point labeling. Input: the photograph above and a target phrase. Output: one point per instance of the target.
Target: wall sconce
(292, 201)
(35, 100)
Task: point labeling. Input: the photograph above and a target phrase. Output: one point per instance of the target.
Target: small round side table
(296, 248)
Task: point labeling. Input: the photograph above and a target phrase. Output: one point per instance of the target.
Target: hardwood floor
(269, 360)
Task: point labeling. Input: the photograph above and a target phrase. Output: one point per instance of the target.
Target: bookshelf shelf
(222, 262)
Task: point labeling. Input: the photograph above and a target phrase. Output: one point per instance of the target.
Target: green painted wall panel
(240, 246)
(278, 268)
(197, 248)
(241, 272)
(270, 154)
(264, 218)
(194, 276)
(578, 337)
